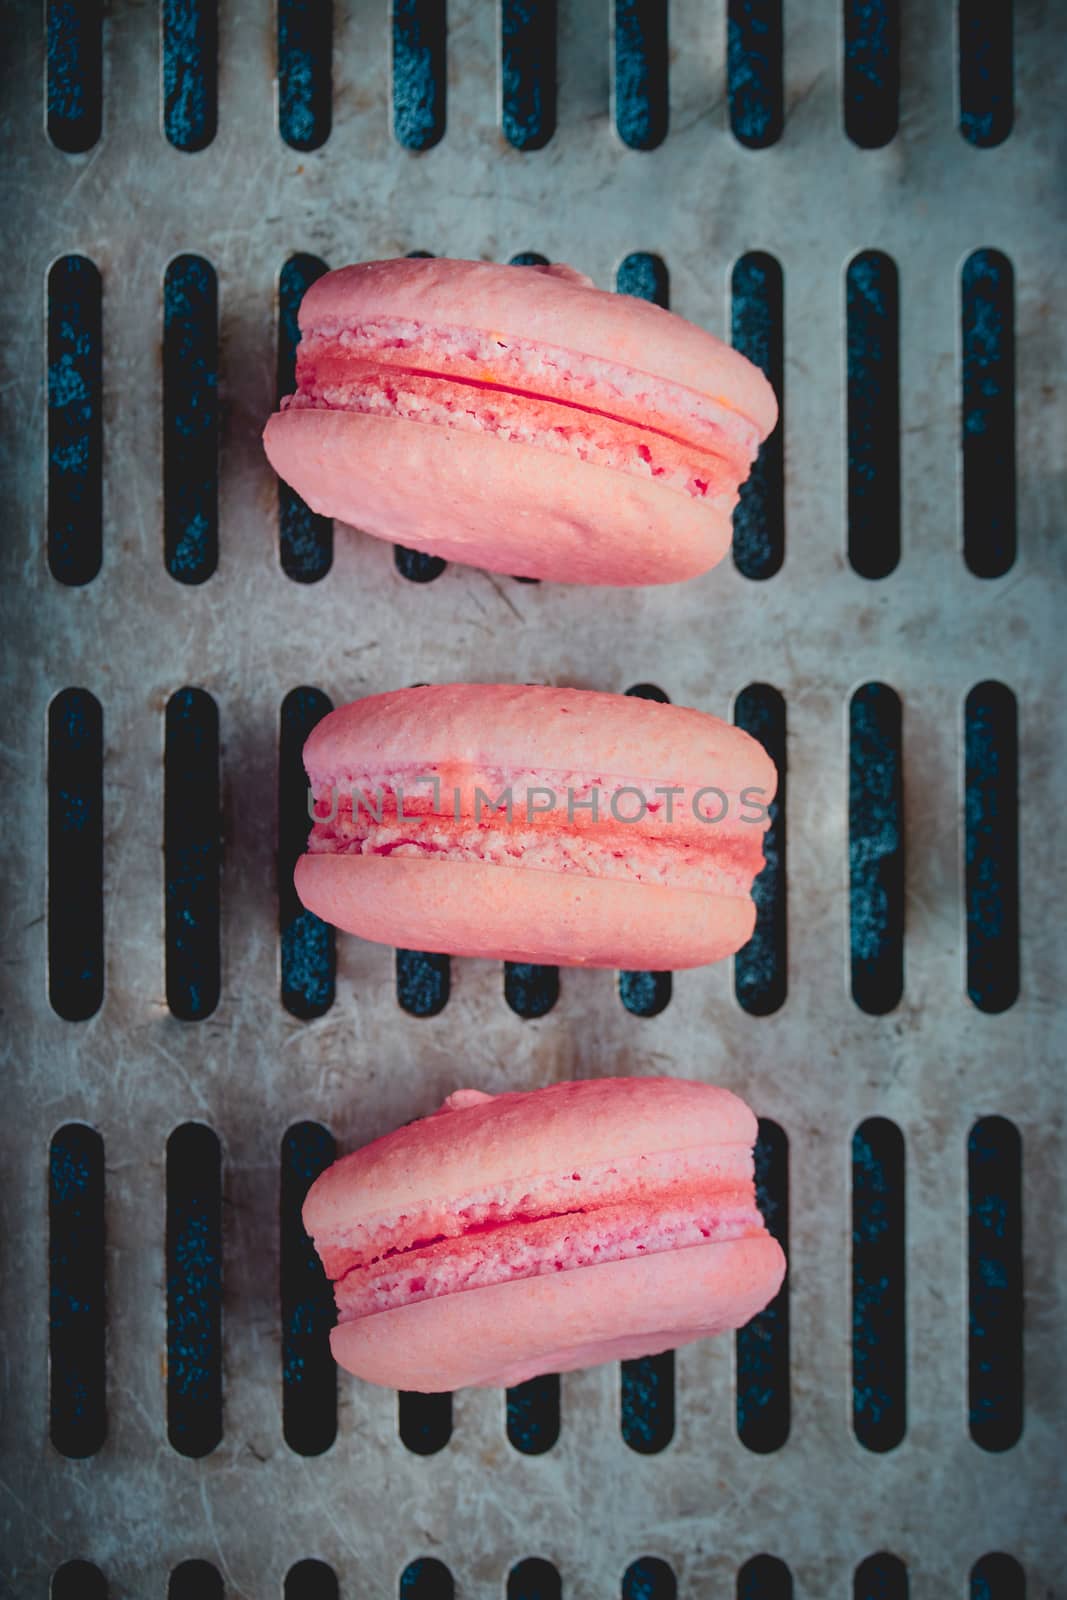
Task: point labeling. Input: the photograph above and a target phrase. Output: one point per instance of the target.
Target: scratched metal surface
(815, 631)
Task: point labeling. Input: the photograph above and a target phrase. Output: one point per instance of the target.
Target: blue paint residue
(305, 539)
(533, 1415)
(641, 104)
(761, 967)
(757, 331)
(995, 1384)
(872, 71)
(423, 980)
(528, 72)
(426, 1579)
(648, 1402)
(76, 1291)
(988, 422)
(991, 857)
(305, 43)
(419, 72)
(754, 71)
(75, 429)
(876, 849)
(986, 71)
(531, 991)
(878, 1298)
(190, 72)
(649, 1579)
(308, 958)
(873, 415)
(645, 277)
(190, 419)
(194, 1290)
(75, 86)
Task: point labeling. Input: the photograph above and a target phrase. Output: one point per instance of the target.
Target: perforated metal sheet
(815, 631)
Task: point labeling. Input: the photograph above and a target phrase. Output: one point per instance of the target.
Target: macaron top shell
(477, 1143)
(555, 306)
(530, 727)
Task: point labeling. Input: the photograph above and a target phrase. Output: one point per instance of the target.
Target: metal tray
(816, 630)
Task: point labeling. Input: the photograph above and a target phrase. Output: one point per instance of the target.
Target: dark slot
(646, 994)
(309, 1377)
(988, 311)
(528, 72)
(75, 855)
(534, 1579)
(190, 72)
(426, 1579)
(311, 1580)
(78, 1580)
(308, 956)
(533, 1415)
(991, 814)
(423, 982)
(757, 329)
(190, 420)
(424, 1421)
(305, 539)
(528, 258)
(305, 87)
(531, 991)
(880, 1577)
(873, 414)
(998, 1577)
(647, 1394)
(645, 276)
(641, 69)
(192, 854)
(987, 108)
(76, 1290)
(754, 71)
(416, 565)
(649, 1579)
(879, 1402)
(75, 73)
(195, 1580)
(419, 72)
(995, 1280)
(194, 1290)
(764, 1578)
(876, 848)
(761, 973)
(75, 427)
(872, 71)
(763, 1382)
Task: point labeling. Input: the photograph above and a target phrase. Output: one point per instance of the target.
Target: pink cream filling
(666, 1202)
(712, 856)
(533, 394)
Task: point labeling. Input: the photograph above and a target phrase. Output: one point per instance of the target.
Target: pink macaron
(519, 419)
(534, 824)
(512, 1235)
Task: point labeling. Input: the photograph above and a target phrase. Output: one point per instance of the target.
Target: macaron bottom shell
(505, 1333)
(521, 914)
(491, 503)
